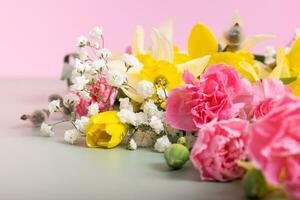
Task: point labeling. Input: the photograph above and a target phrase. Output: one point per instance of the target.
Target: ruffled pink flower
(218, 148)
(218, 95)
(100, 92)
(274, 145)
(267, 93)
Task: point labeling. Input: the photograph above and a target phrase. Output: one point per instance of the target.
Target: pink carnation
(216, 96)
(101, 93)
(218, 148)
(274, 145)
(267, 93)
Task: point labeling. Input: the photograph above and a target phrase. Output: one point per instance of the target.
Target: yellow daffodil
(160, 73)
(105, 130)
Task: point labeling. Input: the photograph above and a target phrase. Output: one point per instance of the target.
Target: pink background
(36, 34)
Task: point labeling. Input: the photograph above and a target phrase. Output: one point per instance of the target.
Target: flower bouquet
(233, 113)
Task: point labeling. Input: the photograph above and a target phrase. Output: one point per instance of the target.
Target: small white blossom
(79, 82)
(162, 144)
(150, 109)
(96, 32)
(103, 53)
(99, 64)
(47, 130)
(83, 54)
(270, 54)
(72, 136)
(127, 116)
(156, 124)
(116, 78)
(70, 100)
(141, 119)
(132, 144)
(162, 93)
(93, 109)
(145, 89)
(81, 41)
(130, 61)
(54, 106)
(81, 67)
(84, 94)
(81, 123)
(125, 104)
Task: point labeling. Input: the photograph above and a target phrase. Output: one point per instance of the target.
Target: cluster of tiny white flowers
(81, 123)
(54, 106)
(70, 100)
(150, 116)
(103, 53)
(132, 144)
(47, 130)
(116, 78)
(72, 136)
(162, 144)
(79, 83)
(145, 89)
(96, 32)
(125, 104)
(270, 54)
(131, 61)
(93, 109)
(162, 93)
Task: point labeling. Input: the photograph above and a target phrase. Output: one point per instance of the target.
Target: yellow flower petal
(235, 60)
(105, 130)
(116, 133)
(137, 46)
(295, 85)
(293, 57)
(195, 66)
(161, 48)
(253, 40)
(282, 69)
(201, 42)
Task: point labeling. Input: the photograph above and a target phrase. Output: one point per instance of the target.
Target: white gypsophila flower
(103, 53)
(162, 93)
(156, 124)
(130, 61)
(125, 104)
(81, 123)
(132, 144)
(83, 54)
(72, 136)
(79, 83)
(150, 109)
(54, 106)
(84, 94)
(96, 32)
(70, 99)
(99, 64)
(81, 41)
(141, 119)
(81, 67)
(127, 116)
(270, 54)
(47, 130)
(93, 109)
(162, 144)
(116, 78)
(145, 89)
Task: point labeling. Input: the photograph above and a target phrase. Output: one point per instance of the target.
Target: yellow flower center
(161, 81)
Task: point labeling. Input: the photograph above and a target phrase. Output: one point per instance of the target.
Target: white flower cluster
(162, 144)
(270, 54)
(150, 116)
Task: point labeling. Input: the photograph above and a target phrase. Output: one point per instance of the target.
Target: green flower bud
(254, 184)
(176, 156)
(182, 141)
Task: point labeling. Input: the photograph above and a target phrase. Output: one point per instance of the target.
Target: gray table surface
(37, 168)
